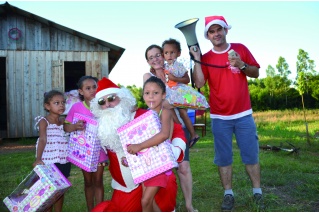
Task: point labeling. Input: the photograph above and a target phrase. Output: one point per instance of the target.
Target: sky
(269, 29)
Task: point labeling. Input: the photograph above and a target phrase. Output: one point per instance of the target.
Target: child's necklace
(160, 112)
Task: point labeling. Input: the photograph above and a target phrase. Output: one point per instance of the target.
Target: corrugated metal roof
(115, 51)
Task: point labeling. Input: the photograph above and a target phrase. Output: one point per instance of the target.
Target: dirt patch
(13, 147)
(285, 195)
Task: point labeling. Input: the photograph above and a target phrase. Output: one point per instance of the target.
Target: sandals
(193, 142)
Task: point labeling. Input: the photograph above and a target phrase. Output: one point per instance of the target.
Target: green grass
(290, 182)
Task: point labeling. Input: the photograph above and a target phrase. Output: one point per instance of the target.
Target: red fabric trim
(140, 112)
(114, 168)
(122, 202)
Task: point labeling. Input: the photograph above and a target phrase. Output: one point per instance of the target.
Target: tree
(258, 94)
(205, 91)
(283, 70)
(283, 67)
(137, 93)
(305, 71)
(270, 71)
(313, 84)
(270, 84)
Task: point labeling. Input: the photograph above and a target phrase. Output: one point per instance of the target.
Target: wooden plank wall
(29, 62)
(40, 36)
(29, 75)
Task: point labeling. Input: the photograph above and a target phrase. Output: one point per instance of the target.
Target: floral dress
(55, 150)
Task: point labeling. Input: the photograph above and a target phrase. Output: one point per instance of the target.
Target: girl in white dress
(52, 144)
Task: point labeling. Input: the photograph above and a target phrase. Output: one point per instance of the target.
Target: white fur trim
(117, 186)
(216, 21)
(107, 91)
(176, 151)
(133, 115)
(179, 143)
(127, 177)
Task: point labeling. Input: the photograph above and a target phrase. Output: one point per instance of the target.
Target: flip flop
(193, 142)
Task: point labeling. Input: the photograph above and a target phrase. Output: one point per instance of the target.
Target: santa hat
(210, 20)
(105, 87)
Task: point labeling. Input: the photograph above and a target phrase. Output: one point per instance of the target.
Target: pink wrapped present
(84, 146)
(39, 190)
(151, 161)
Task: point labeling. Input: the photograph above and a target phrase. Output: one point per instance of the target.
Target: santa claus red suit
(127, 195)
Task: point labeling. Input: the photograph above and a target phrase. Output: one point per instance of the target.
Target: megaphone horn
(188, 29)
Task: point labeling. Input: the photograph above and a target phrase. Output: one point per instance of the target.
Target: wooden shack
(37, 55)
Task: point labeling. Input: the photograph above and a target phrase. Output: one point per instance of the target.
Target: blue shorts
(246, 137)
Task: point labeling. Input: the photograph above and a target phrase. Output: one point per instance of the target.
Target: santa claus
(114, 107)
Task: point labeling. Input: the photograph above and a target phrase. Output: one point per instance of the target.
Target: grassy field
(290, 182)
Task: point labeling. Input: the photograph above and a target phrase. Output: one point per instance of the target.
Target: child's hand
(134, 148)
(171, 77)
(38, 162)
(80, 125)
(124, 161)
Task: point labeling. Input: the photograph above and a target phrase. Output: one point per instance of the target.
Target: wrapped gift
(151, 161)
(185, 96)
(39, 190)
(84, 146)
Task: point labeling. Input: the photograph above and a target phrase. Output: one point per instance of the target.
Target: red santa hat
(106, 87)
(210, 20)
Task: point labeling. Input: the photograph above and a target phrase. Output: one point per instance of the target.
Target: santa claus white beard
(110, 120)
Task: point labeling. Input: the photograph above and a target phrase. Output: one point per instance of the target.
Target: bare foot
(192, 209)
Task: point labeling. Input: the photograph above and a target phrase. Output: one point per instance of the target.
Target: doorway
(73, 71)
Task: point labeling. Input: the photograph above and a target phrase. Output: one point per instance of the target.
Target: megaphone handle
(196, 48)
(191, 69)
(192, 80)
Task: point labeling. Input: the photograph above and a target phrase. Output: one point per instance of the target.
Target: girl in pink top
(93, 181)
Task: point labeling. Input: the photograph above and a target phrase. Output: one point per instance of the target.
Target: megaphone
(188, 29)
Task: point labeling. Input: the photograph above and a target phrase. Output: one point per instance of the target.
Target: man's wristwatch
(244, 67)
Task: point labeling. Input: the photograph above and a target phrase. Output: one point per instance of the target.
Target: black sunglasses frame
(109, 98)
